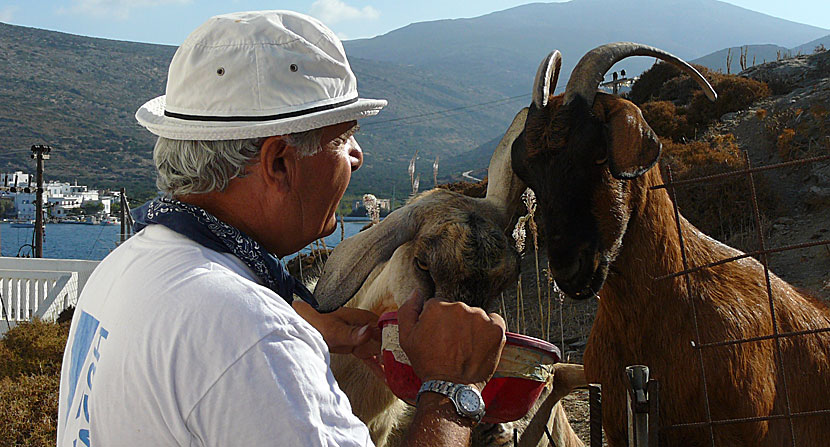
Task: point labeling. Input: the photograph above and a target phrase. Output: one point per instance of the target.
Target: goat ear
(353, 259)
(504, 187)
(633, 148)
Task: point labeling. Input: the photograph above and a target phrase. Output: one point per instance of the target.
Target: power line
(455, 109)
(445, 111)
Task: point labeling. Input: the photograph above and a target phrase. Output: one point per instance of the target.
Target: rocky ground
(803, 191)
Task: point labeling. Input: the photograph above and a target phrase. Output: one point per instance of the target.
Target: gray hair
(197, 167)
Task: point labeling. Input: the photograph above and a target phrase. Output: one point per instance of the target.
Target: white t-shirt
(176, 344)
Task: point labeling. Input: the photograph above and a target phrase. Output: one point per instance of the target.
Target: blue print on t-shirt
(88, 334)
(84, 333)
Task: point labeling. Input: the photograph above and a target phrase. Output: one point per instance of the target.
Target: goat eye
(421, 265)
(601, 161)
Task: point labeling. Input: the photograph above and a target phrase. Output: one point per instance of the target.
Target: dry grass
(34, 348)
(30, 362)
(793, 131)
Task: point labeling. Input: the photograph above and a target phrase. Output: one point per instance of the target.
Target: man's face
(323, 178)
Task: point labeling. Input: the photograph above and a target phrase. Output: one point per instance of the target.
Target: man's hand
(450, 340)
(346, 330)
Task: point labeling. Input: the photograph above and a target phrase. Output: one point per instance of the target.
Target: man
(184, 335)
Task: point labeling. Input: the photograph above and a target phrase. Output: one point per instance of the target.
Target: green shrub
(649, 84)
(785, 145)
(664, 86)
(734, 93)
(665, 119)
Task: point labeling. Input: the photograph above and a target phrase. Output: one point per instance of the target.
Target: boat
(112, 220)
(23, 224)
(75, 220)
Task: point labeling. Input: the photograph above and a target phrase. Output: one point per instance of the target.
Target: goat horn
(591, 69)
(546, 77)
(353, 260)
(504, 188)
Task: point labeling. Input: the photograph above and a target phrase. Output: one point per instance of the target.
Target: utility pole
(122, 215)
(39, 153)
(616, 81)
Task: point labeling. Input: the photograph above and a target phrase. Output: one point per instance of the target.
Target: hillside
(79, 94)
(758, 54)
(793, 125)
(755, 55)
(476, 160)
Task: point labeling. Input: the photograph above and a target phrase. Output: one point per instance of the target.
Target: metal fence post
(637, 405)
(595, 413)
(653, 397)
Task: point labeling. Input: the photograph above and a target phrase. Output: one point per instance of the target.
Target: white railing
(39, 288)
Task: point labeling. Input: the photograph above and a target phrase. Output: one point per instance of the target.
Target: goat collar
(207, 230)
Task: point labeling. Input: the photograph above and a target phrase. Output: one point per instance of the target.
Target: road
(466, 175)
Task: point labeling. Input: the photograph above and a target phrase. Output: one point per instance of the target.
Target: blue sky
(169, 21)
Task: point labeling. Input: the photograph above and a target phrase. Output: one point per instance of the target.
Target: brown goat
(590, 158)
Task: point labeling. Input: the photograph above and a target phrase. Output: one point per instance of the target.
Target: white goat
(449, 245)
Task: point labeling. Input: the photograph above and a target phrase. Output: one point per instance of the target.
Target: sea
(95, 242)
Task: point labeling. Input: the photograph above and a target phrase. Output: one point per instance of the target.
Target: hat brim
(151, 115)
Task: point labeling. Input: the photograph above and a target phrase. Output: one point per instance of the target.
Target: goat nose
(572, 264)
(569, 271)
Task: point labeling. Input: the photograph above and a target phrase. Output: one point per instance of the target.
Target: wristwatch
(467, 399)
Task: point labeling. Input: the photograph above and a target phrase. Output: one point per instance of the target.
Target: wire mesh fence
(776, 336)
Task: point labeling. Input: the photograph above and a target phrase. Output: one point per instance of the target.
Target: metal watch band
(438, 386)
(450, 390)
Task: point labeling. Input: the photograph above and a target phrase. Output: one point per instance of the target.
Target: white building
(63, 197)
(58, 197)
(15, 179)
(25, 204)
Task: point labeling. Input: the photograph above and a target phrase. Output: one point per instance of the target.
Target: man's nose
(355, 154)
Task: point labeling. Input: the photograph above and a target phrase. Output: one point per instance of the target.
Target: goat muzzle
(582, 275)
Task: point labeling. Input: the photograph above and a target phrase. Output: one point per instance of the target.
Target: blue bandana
(204, 228)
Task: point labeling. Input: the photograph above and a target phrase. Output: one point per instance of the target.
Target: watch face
(469, 401)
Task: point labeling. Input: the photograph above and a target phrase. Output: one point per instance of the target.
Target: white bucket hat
(256, 74)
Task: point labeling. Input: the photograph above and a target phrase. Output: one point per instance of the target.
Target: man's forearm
(437, 424)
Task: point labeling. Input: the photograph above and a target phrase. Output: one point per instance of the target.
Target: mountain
(453, 85)
(810, 47)
(475, 162)
(504, 48)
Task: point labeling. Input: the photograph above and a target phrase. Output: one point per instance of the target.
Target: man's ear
(276, 159)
